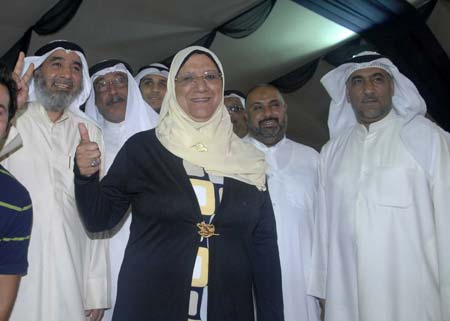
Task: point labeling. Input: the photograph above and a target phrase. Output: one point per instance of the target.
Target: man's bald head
(266, 114)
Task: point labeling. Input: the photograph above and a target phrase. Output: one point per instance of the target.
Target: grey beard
(56, 101)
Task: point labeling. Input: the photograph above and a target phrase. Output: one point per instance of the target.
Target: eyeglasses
(188, 79)
(117, 82)
(235, 108)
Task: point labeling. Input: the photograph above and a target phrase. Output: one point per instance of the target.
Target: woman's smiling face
(198, 87)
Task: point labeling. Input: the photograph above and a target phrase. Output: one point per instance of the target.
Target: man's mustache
(369, 99)
(114, 100)
(62, 81)
(268, 119)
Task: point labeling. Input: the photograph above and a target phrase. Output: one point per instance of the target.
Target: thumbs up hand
(88, 154)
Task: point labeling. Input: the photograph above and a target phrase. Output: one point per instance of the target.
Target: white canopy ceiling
(142, 31)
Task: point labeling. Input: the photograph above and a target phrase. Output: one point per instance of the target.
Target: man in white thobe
(67, 275)
(292, 182)
(117, 106)
(152, 82)
(381, 247)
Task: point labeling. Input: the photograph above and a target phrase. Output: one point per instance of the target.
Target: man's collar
(36, 106)
(12, 143)
(378, 125)
(262, 147)
(107, 125)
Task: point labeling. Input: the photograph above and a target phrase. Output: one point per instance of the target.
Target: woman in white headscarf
(203, 237)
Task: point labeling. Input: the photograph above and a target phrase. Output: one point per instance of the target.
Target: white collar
(377, 126)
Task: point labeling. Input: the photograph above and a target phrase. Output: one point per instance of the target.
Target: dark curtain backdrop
(52, 21)
(296, 78)
(396, 29)
(239, 27)
(249, 21)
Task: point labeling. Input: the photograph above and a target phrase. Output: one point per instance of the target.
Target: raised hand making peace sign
(22, 82)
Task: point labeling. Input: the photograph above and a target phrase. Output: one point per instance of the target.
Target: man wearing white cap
(117, 106)
(234, 100)
(67, 275)
(152, 81)
(292, 181)
(382, 229)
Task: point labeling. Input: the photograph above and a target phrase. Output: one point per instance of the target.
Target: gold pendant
(206, 230)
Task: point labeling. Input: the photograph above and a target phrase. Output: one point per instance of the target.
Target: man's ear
(347, 96)
(392, 86)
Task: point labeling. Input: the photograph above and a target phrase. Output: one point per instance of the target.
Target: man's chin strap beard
(266, 137)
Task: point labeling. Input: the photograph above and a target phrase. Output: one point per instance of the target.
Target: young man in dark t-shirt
(15, 202)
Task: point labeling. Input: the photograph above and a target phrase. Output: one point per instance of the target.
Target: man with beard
(152, 81)
(119, 109)
(382, 229)
(67, 275)
(234, 100)
(292, 182)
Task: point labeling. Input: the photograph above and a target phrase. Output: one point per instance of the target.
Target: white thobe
(381, 251)
(292, 182)
(67, 271)
(114, 137)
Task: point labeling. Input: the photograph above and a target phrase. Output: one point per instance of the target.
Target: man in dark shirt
(15, 202)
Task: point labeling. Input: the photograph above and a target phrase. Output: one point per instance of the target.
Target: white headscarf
(241, 99)
(210, 144)
(37, 61)
(138, 117)
(418, 133)
(152, 69)
(406, 100)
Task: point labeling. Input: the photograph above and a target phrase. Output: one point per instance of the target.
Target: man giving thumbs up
(88, 153)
